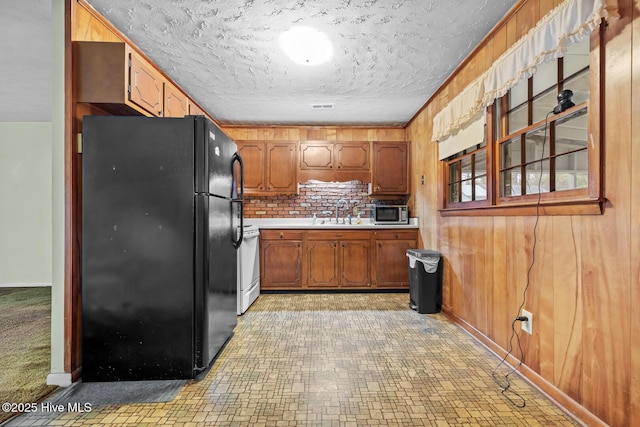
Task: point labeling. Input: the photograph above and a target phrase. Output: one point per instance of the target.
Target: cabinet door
(281, 167)
(175, 102)
(392, 265)
(322, 262)
(253, 158)
(355, 264)
(281, 264)
(352, 155)
(194, 110)
(316, 156)
(390, 168)
(145, 86)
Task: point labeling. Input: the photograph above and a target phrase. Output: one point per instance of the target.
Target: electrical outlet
(528, 325)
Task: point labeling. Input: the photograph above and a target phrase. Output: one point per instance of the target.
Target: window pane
(481, 163)
(519, 93)
(537, 179)
(572, 171)
(533, 145)
(511, 182)
(497, 119)
(511, 153)
(544, 104)
(579, 85)
(546, 76)
(454, 172)
(571, 133)
(518, 119)
(481, 187)
(466, 168)
(576, 57)
(454, 195)
(466, 190)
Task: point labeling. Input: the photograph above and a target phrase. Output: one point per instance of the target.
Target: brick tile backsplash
(315, 197)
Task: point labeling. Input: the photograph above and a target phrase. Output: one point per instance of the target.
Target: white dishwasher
(248, 268)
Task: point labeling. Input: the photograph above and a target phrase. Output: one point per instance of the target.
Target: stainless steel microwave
(386, 214)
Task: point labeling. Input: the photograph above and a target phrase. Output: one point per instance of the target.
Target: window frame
(589, 201)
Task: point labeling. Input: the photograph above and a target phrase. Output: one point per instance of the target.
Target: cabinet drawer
(338, 235)
(280, 234)
(396, 235)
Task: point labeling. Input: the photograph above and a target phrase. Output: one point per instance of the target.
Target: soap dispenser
(315, 219)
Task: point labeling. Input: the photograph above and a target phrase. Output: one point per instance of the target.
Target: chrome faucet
(337, 206)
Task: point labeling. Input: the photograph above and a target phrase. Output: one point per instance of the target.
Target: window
(467, 181)
(535, 153)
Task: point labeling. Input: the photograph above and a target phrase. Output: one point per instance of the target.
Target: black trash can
(425, 280)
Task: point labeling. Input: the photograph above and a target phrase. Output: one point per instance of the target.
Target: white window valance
(470, 134)
(563, 26)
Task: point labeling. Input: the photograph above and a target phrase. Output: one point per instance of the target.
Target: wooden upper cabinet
(352, 155)
(175, 102)
(324, 156)
(146, 85)
(335, 161)
(390, 168)
(253, 155)
(281, 168)
(115, 78)
(316, 156)
(194, 110)
(269, 167)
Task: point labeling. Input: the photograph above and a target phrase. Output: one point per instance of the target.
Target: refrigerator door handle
(236, 158)
(238, 242)
(240, 198)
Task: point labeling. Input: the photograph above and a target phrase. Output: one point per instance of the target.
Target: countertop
(307, 223)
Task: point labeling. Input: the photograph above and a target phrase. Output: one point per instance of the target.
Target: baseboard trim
(24, 285)
(62, 379)
(561, 399)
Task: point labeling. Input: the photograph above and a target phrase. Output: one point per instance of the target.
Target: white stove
(248, 268)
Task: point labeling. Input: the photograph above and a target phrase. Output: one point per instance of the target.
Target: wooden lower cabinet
(338, 260)
(280, 260)
(335, 260)
(355, 264)
(391, 263)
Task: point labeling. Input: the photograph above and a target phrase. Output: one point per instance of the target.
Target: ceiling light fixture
(306, 46)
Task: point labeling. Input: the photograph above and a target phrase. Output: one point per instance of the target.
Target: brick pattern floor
(337, 360)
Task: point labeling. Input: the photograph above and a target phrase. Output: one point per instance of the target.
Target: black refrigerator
(161, 223)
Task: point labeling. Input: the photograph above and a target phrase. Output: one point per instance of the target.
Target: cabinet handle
(395, 236)
(282, 235)
(335, 245)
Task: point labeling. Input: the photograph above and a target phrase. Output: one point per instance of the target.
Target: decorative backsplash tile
(316, 197)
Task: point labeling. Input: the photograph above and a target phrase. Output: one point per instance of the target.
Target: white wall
(25, 204)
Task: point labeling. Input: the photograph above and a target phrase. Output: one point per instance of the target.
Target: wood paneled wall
(317, 133)
(584, 287)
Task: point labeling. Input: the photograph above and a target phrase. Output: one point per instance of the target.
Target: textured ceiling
(389, 55)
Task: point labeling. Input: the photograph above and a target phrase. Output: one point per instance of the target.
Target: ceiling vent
(322, 106)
